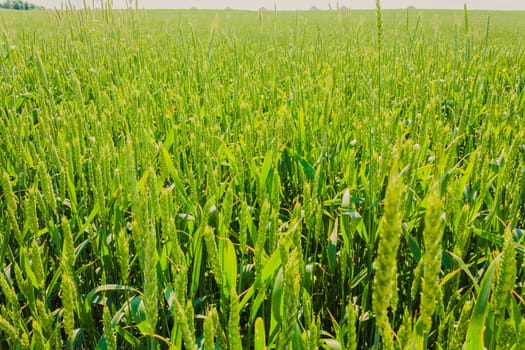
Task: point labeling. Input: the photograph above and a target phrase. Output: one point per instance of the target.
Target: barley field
(262, 180)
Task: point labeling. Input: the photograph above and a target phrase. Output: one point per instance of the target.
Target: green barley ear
(243, 226)
(183, 317)
(123, 255)
(109, 334)
(68, 248)
(404, 332)
(416, 282)
(38, 341)
(506, 277)
(8, 291)
(234, 336)
(9, 196)
(209, 332)
(150, 277)
(45, 317)
(37, 265)
(69, 291)
(313, 336)
(520, 336)
(213, 254)
(10, 200)
(385, 264)
(226, 214)
(379, 17)
(46, 185)
(15, 312)
(57, 337)
(352, 315)
(99, 186)
(461, 330)
(31, 213)
(8, 329)
(154, 196)
(261, 237)
(220, 336)
(291, 294)
(506, 337)
(68, 296)
(465, 14)
(432, 258)
(188, 328)
(22, 283)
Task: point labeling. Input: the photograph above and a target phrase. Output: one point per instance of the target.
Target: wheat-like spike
(226, 214)
(506, 277)
(123, 255)
(351, 316)
(68, 248)
(154, 198)
(213, 254)
(462, 326)
(9, 330)
(313, 336)
(404, 332)
(379, 17)
(219, 331)
(276, 191)
(46, 185)
(8, 291)
(432, 259)
(31, 213)
(150, 277)
(261, 238)
(385, 265)
(290, 290)
(57, 336)
(506, 337)
(520, 335)
(10, 200)
(99, 185)
(21, 282)
(37, 265)
(209, 332)
(109, 334)
(68, 296)
(180, 316)
(234, 336)
(37, 339)
(8, 194)
(243, 226)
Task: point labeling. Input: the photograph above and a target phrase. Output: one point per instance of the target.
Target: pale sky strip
(304, 4)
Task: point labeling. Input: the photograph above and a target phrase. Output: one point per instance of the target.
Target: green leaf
(266, 170)
(307, 168)
(26, 267)
(277, 304)
(197, 261)
(176, 179)
(228, 259)
(474, 339)
(331, 344)
(332, 248)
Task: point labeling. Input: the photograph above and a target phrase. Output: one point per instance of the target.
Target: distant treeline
(19, 5)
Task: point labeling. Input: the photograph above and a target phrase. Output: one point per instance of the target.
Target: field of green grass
(262, 180)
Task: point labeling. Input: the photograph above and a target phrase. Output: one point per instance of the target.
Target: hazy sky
(304, 4)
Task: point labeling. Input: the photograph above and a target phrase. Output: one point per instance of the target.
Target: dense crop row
(283, 180)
